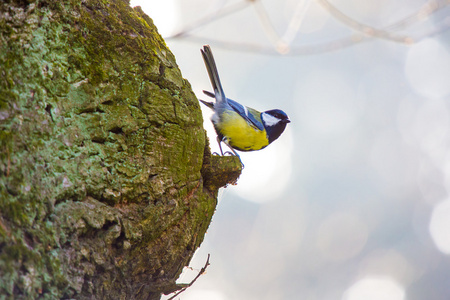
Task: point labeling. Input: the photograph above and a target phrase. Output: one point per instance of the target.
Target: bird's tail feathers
(209, 94)
(213, 73)
(209, 104)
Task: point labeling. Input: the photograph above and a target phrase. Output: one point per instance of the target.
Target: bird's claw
(231, 154)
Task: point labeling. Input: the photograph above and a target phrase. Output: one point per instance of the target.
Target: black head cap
(274, 121)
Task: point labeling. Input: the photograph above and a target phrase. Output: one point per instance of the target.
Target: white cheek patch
(269, 120)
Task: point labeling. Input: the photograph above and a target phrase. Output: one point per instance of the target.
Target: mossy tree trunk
(107, 185)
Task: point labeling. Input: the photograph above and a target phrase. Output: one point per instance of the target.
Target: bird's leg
(225, 141)
(219, 140)
(234, 152)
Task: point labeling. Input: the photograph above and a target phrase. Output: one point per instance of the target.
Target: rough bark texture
(107, 185)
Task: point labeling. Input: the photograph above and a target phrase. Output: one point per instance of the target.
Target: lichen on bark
(107, 185)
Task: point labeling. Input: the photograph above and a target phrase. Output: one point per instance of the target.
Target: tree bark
(107, 185)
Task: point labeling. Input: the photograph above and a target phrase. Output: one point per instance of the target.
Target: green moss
(106, 183)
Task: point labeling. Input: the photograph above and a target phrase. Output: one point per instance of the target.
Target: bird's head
(274, 121)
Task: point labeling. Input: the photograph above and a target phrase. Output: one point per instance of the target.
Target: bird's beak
(287, 121)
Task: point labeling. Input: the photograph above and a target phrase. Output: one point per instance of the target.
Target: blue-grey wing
(250, 115)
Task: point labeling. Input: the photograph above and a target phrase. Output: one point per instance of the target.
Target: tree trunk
(107, 185)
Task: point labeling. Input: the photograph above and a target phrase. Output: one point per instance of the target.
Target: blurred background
(352, 201)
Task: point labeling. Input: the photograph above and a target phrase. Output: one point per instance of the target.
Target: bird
(240, 127)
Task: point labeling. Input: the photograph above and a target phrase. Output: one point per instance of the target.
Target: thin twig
(363, 28)
(266, 23)
(296, 21)
(386, 33)
(192, 282)
(221, 13)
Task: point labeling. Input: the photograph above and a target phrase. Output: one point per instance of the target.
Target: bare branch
(282, 44)
(220, 13)
(364, 28)
(186, 286)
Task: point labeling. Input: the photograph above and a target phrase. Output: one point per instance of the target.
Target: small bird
(240, 127)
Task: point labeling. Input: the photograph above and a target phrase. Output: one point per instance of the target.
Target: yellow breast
(239, 134)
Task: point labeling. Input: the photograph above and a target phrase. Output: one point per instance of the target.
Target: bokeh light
(389, 261)
(266, 173)
(428, 69)
(375, 288)
(165, 14)
(327, 103)
(341, 236)
(439, 226)
(205, 295)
